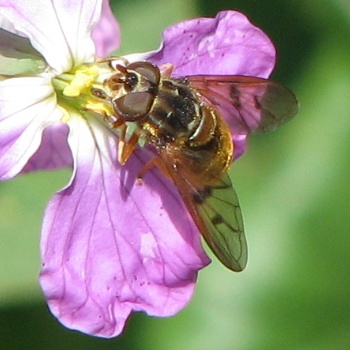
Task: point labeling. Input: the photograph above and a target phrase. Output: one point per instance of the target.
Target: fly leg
(153, 162)
(126, 146)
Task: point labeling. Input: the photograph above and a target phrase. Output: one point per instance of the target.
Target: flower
(109, 247)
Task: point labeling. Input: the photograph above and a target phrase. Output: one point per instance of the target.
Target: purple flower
(109, 246)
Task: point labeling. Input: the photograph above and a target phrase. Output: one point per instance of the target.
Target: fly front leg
(126, 146)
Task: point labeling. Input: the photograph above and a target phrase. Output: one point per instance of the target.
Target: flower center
(73, 90)
(80, 92)
(80, 81)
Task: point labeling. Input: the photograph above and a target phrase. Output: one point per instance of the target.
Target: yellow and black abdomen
(210, 148)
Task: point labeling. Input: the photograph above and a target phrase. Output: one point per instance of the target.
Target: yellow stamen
(99, 107)
(82, 80)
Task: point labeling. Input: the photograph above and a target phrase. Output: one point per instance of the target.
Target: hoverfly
(183, 119)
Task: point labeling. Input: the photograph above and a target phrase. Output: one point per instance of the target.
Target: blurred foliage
(294, 189)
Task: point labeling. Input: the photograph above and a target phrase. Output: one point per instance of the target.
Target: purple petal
(59, 29)
(106, 35)
(227, 44)
(239, 145)
(22, 120)
(53, 152)
(111, 246)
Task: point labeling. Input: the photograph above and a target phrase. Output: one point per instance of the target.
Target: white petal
(27, 107)
(59, 29)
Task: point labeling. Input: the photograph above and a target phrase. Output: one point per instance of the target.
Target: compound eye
(134, 106)
(146, 69)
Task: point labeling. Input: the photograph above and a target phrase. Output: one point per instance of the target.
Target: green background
(294, 189)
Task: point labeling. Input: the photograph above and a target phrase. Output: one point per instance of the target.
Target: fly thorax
(176, 110)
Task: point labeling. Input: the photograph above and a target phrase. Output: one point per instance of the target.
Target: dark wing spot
(217, 219)
(201, 195)
(235, 95)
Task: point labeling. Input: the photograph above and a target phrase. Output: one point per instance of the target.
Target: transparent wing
(216, 211)
(248, 104)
